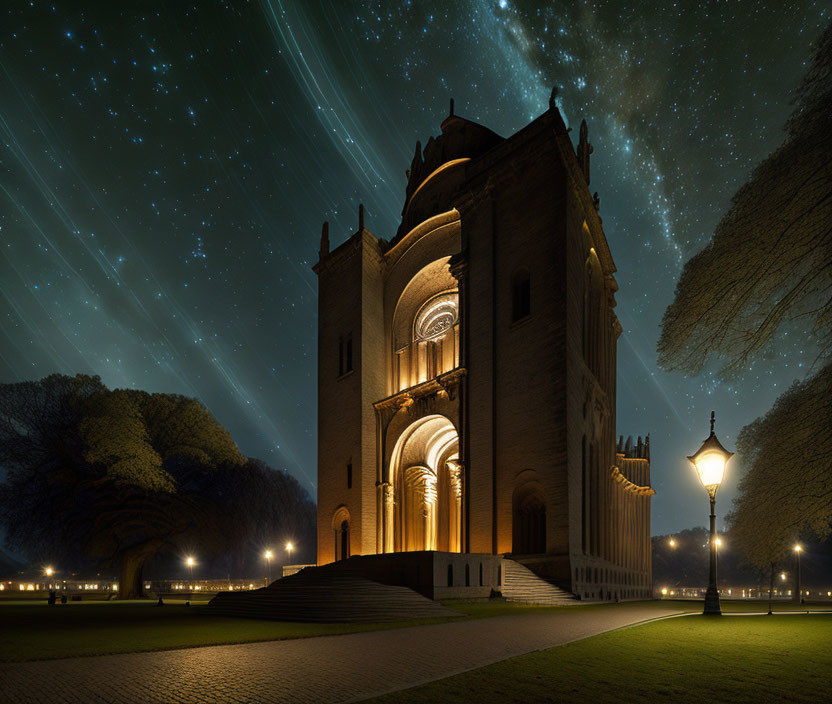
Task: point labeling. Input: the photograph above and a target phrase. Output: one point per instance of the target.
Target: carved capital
(459, 266)
(455, 477)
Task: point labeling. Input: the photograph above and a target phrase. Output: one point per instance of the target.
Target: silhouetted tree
(787, 487)
(113, 478)
(770, 259)
(767, 270)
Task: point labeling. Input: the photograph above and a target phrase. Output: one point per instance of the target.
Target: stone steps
(325, 596)
(521, 585)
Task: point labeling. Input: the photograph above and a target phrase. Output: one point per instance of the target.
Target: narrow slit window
(348, 367)
(521, 296)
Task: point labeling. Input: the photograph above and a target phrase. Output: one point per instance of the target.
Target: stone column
(459, 270)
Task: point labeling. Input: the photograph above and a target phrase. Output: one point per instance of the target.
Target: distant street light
(797, 598)
(672, 543)
(709, 462)
(190, 562)
(783, 576)
(49, 571)
(289, 548)
(268, 555)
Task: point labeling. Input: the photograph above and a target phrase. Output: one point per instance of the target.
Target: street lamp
(672, 543)
(190, 562)
(289, 548)
(709, 462)
(797, 550)
(268, 555)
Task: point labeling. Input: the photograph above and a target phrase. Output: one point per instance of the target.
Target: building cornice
(629, 486)
(443, 383)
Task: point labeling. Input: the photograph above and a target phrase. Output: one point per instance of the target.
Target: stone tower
(467, 370)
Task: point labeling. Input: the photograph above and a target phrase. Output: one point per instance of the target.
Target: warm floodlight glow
(672, 543)
(797, 548)
(664, 591)
(190, 562)
(783, 576)
(49, 572)
(436, 317)
(268, 554)
(711, 469)
(709, 462)
(289, 547)
(718, 542)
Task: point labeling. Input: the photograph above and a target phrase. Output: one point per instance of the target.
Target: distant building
(467, 370)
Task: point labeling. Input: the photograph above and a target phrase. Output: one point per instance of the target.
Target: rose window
(436, 317)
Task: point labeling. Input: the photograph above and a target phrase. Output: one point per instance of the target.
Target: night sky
(164, 175)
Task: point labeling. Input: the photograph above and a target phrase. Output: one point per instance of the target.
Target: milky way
(164, 174)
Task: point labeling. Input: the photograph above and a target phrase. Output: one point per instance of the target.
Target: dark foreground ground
(490, 653)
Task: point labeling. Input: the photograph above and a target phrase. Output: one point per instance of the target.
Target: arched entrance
(426, 481)
(528, 520)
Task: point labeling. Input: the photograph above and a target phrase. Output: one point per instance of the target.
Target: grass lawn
(36, 631)
(481, 609)
(692, 659)
(32, 630)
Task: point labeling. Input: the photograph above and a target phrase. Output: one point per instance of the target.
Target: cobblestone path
(320, 670)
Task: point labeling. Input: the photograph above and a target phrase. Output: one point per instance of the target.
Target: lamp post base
(712, 602)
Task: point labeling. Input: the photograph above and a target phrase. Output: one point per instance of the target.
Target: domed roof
(461, 140)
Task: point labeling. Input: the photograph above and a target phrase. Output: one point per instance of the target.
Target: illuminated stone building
(467, 370)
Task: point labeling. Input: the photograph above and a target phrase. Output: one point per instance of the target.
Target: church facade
(467, 370)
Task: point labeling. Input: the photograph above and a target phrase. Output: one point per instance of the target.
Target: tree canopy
(787, 487)
(769, 263)
(115, 478)
(767, 271)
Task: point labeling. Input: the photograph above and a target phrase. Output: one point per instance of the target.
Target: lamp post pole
(709, 462)
(712, 595)
(268, 555)
(797, 597)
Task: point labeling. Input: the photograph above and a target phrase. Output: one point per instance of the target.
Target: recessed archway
(427, 487)
(341, 530)
(528, 519)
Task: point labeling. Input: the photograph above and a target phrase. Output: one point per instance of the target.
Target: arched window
(436, 317)
(529, 519)
(434, 347)
(341, 529)
(424, 330)
(521, 295)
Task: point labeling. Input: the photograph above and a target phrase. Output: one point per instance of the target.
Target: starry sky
(164, 172)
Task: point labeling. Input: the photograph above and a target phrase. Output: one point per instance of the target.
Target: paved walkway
(322, 670)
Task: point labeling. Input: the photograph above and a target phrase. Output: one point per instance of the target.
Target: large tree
(767, 273)
(788, 486)
(114, 478)
(768, 267)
